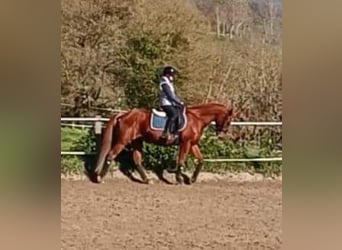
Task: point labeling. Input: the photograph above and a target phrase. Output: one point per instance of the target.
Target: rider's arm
(172, 97)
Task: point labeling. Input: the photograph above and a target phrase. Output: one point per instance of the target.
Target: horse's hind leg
(110, 157)
(198, 162)
(137, 157)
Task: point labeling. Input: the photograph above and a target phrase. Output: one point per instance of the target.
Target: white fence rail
(99, 120)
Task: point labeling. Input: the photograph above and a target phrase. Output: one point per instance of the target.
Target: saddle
(159, 117)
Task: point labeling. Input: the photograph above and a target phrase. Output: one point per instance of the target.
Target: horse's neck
(205, 116)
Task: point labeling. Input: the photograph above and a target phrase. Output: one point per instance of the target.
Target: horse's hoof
(188, 181)
(99, 179)
(179, 181)
(96, 172)
(146, 181)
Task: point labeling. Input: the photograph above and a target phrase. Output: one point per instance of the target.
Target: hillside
(225, 50)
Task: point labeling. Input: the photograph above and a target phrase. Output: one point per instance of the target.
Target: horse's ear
(230, 108)
(230, 112)
(236, 115)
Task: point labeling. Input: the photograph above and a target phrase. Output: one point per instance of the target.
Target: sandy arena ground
(211, 214)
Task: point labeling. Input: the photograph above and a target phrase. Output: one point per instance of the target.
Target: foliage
(111, 51)
(159, 157)
(75, 140)
(155, 39)
(90, 40)
(71, 165)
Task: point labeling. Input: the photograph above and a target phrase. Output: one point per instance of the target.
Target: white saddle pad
(159, 113)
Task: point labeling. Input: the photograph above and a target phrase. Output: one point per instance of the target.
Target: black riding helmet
(169, 70)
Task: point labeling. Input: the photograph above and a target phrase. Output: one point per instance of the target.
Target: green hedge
(160, 157)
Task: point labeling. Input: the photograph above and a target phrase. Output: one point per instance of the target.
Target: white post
(98, 130)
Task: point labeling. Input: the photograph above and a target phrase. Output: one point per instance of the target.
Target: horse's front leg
(183, 152)
(198, 162)
(137, 157)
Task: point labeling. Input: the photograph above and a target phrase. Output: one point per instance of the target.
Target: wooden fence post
(98, 130)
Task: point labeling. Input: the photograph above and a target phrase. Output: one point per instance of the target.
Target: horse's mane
(197, 108)
(208, 105)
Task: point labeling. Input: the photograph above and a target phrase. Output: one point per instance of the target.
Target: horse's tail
(106, 142)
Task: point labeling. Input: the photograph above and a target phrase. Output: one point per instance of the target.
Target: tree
(90, 39)
(154, 38)
(267, 14)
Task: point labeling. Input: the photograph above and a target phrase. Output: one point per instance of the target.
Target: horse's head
(223, 121)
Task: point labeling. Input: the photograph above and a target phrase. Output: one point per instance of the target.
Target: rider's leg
(171, 113)
(175, 125)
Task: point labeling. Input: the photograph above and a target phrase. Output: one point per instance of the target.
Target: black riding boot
(173, 130)
(172, 117)
(166, 133)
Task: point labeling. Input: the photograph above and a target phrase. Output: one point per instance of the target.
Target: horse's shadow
(126, 166)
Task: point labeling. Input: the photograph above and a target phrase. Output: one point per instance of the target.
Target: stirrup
(165, 135)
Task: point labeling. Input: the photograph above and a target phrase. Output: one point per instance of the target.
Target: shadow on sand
(126, 167)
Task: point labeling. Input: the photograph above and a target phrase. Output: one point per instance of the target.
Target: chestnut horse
(134, 127)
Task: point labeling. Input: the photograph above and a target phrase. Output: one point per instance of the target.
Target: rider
(168, 100)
